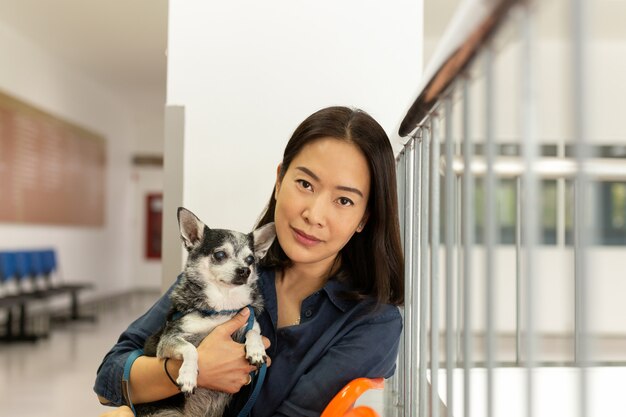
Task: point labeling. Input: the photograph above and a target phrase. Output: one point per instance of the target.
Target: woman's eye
(249, 260)
(305, 184)
(344, 201)
(219, 255)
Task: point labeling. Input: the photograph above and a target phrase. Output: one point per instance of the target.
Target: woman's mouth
(304, 239)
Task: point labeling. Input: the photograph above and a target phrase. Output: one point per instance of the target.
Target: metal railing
(437, 171)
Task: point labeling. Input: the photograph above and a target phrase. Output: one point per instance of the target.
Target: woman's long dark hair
(372, 260)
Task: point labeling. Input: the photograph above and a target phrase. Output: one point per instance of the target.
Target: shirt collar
(333, 289)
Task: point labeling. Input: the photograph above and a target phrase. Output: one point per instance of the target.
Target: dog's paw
(255, 354)
(187, 378)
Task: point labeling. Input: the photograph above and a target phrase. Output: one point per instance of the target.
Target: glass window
(612, 213)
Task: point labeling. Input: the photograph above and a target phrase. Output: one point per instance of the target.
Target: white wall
(148, 141)
(101, 255)
(249, 72)
(148, 122)
(146, 272)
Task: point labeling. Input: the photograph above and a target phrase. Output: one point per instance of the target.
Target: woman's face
(321, 201)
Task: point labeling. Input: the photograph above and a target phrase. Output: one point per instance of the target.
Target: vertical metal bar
(490, 223)
(401, 187)
(394, 406)
(579, 116)
(408, 277)
(579, 220)
(518, 270)
(434, 265)
(530, 219)
(450, 224)
(416, 357)
(394, 401)
(468, 242)
(424, 230)
(580, 155)
(560, 201)
(391, 401)
(459, 274)
(580, 310)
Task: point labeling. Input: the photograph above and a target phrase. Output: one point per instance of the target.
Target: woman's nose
(315, 212)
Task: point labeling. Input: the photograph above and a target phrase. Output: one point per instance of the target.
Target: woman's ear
(363, 222)
(278, 180)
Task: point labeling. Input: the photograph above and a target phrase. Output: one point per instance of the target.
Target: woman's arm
(109, 386)
(122, 411)
(148, 380)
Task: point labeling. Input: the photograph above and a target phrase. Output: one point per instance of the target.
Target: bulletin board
(51, 171)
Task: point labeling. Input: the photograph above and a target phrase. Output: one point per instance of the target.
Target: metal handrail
(474, 23)
(606, 169)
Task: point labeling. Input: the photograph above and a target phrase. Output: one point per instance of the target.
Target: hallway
(54, 377)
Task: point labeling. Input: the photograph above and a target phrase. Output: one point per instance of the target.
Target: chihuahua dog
(218, 280)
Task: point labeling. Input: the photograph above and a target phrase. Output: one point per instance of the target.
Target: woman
(331, 281)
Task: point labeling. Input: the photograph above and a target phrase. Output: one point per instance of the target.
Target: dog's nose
(243, 272)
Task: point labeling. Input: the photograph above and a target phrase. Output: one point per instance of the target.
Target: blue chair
(48, 267)
(21, 264)
(48, 262)
(35, 263)
(39, 270)
(23, 272)
(12, 268)
(7, 272)
(8, 268)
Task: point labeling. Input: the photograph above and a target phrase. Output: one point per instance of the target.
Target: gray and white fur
(220, 274)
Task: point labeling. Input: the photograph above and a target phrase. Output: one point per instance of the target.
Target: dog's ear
(263, 238)
(191, 228)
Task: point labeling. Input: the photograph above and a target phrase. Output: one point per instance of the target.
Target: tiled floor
(54, 377)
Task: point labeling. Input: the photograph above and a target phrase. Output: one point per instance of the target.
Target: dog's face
(226, 257)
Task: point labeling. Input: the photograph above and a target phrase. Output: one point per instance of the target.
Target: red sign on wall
(154, 218)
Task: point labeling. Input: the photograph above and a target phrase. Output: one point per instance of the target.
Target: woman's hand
(222, 364)
(122, 411)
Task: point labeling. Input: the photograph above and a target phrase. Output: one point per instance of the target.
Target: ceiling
(121, 44)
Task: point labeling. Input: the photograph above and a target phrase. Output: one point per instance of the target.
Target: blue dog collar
(203, 313)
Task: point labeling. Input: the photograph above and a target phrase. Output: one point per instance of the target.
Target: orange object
(343, 403)
(361, 412)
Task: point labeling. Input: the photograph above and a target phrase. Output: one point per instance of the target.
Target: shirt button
(308, 313)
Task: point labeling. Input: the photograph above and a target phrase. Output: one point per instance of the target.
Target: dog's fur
(220, 274)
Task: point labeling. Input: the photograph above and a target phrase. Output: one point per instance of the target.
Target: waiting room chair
(342, 405)
(49, 273)
(12, 270)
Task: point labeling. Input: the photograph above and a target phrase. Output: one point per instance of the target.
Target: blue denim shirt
(337, 341)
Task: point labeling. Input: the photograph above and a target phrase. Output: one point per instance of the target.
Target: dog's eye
(249, 260)
(219, 255)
